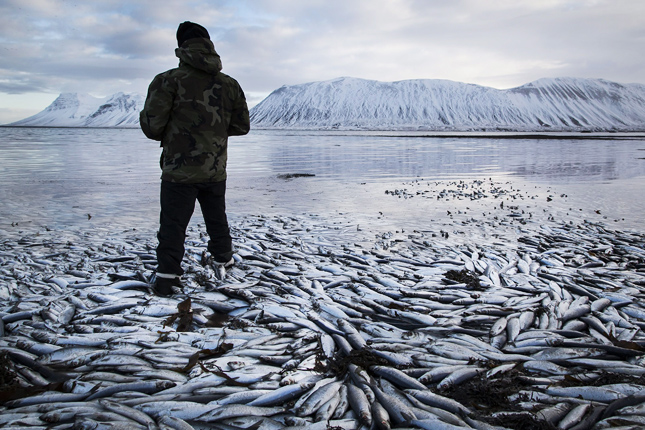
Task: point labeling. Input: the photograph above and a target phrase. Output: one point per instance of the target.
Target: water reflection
(378, 158)
(60, 176)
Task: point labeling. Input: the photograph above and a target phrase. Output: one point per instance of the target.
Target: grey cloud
(52, 44)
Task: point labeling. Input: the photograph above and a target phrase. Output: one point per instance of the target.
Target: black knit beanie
(190, 30)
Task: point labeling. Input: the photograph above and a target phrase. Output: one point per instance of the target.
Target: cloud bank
(54, 46)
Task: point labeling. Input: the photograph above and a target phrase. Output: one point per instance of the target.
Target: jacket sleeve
(157, 108)
(240, 124)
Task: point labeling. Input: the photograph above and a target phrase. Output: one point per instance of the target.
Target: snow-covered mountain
(558, 104)
(83, 110)
(547, 104)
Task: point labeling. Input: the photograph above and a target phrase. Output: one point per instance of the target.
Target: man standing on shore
(192, 110)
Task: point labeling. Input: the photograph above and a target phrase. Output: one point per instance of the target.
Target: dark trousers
(177, 207)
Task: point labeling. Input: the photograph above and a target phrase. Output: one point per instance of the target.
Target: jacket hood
(200, 54)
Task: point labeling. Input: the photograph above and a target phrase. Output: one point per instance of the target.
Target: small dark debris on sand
(295, 175)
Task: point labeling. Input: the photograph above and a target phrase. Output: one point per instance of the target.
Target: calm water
(86, 177)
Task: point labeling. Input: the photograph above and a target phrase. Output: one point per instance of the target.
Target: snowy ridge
(557, 104)
(567, 104)
(83, 110)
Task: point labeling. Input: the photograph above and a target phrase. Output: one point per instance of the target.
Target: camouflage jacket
(192, 110)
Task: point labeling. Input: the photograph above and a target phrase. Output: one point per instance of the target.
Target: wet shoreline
(384, 296)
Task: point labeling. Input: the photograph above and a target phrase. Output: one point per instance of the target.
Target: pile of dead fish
(418, 331)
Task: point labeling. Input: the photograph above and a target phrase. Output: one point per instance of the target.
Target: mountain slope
(83, 110)
(546, 104)
(559, 104)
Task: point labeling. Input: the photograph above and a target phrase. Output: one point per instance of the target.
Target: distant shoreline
(70, 127)
(555, 135)
(514, 135)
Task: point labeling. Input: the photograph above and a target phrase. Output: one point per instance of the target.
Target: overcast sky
(107, 46)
